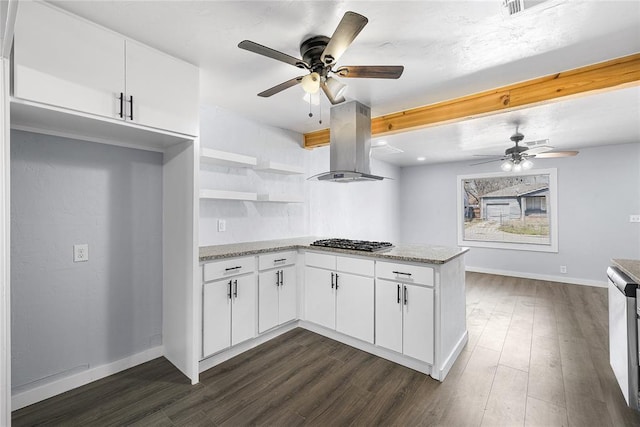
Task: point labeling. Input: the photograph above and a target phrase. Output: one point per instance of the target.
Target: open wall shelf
(228, 195)
(280, 198)
(280, 168)
(224, 158)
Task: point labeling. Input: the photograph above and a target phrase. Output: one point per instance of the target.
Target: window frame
(552, 212)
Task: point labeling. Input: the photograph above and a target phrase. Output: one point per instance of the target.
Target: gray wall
(597, 191)
(68, 317)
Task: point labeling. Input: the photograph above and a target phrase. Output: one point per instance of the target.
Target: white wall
(250, 221)
(5, 302)
(356, 210)
(597, 191)
(69, 317)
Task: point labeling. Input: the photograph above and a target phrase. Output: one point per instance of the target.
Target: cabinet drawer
(276, 259)
(313, 259)
(364, 267)
(407, 273)
(229, 267)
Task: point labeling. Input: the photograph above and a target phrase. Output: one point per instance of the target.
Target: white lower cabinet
(228, 313)
(405, 319)
(320, 297)
(339, 300)
(276, 297)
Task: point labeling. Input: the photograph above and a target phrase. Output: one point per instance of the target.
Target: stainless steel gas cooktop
(355, 245)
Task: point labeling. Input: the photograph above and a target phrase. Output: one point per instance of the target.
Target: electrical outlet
(81, 253)
(222, 225)
(634, 218)
(563, 269)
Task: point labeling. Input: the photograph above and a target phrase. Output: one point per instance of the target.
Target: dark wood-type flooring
(537, 355)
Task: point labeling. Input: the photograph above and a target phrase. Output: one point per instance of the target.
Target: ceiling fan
(519, 157)
(319, 56)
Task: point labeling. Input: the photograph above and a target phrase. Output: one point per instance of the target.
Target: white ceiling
(448, 48)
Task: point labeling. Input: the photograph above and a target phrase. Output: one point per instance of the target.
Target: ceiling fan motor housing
(311, 50)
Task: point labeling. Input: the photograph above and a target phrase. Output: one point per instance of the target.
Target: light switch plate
(222, 225)
(81, 253)
(634, 218)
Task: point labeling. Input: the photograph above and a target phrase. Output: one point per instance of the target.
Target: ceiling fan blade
(279, 88)
(347, 30)
(554, 154)
(327, 92)
(539, 149)
(371, 71)
(271, 53)
(487, 161)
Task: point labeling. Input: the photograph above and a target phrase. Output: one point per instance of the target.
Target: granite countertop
(409, 253)
(630, 267)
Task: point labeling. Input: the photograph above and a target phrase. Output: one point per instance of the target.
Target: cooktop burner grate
(356, 245)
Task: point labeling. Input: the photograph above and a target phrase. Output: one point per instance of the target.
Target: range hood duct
(350, 144)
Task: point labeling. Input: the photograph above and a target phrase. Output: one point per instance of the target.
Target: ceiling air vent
(516, 6)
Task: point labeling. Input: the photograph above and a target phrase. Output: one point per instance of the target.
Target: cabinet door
(418, 323)
(164, 89)
(354, 306)
(389, 315)
(216, 317)
(67, 62)
(320, 297)
(268, 300)
(288, 298)
(243, 312)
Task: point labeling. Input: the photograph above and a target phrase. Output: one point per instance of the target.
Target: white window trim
(552, 209)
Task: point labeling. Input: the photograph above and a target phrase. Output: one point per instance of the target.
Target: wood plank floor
(537, 356)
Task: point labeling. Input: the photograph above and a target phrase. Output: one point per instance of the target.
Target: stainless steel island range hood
(350, 144)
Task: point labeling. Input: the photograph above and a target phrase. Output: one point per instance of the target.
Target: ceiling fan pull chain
(320, 109)
(310, 113)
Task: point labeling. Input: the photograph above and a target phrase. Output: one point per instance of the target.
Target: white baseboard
(549, 278)
(398, 358)
(211, 361)
(54, 388)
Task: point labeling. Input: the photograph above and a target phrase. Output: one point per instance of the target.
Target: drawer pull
(232, 268)
(400, 272)
(279, 260)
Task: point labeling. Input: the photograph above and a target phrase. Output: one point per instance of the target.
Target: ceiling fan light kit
(311, 83)
(319, 55)
(336, 88)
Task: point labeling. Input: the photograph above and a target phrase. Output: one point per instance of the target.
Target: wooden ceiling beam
(609, 75)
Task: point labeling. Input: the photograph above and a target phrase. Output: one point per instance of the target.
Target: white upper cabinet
(67, 62)
(64, 61)
(164, 90)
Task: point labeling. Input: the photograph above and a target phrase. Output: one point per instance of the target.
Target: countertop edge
(307, 247)
(630, 267)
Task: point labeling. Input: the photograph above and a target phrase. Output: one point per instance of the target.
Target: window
(509, 211)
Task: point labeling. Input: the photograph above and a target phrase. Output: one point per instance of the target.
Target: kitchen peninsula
(405, 303)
